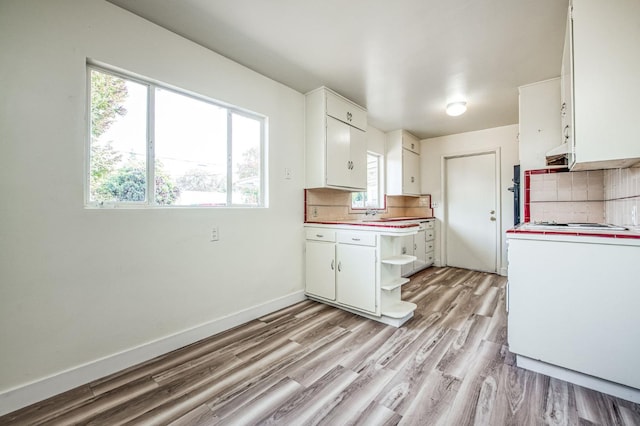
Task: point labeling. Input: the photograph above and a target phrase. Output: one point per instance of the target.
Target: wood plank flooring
(315, 364)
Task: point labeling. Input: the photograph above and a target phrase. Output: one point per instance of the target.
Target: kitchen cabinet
(420, 245)
(601, 65)
(430, 242)
(572, 309)
(358, 270)
(539, 123)
(335, 142)
(341, 266)
(356, 276)
(403, 163)
(408, 248)
(320, 261)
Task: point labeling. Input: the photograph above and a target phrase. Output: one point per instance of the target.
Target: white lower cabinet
(573, 313)
(408, 244)
(320, 276)
(359, 271)
(420, 245)
(356, 276)
(419, 250)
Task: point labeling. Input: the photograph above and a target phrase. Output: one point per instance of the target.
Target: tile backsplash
(601, 196)
(622, 195)
(564, 196)
(331, 204)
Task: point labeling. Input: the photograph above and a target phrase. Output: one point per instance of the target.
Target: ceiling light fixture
(456, 108)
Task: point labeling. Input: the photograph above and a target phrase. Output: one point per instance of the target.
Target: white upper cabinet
(603, 42)
(336, 144)
(403, 163)
(539, 123)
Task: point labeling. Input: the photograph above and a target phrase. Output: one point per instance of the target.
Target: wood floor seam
(311, 363)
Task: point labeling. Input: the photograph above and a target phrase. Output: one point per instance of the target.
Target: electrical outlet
(435, 204)
(214, 234)
(315, 212)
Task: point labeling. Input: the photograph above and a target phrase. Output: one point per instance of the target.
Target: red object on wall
(527, 188)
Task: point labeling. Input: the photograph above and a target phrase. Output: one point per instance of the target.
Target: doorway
(472, 215)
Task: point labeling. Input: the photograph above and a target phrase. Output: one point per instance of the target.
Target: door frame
(445, 203)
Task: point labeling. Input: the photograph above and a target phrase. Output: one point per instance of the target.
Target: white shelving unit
(401, 259)
(391, 304)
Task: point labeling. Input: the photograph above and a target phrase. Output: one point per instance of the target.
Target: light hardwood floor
(314, 364)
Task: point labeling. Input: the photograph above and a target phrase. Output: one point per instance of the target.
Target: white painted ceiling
(403, 60)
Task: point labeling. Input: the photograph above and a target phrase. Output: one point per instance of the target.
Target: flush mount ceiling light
(456, 108)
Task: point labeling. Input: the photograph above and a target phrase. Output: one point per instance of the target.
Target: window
(373, 197)
(155, 146)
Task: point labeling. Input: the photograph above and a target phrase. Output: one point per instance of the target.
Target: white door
(471, 227)
(356, 276)
(320, 276)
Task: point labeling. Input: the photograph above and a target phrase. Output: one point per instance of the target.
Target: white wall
(376, 140)
(77, 285)
(432, 151)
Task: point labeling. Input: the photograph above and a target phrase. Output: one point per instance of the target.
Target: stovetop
(577, 225)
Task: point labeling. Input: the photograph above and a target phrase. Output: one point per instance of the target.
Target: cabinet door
(420, 252)
(410, 143)
(356, 276)
(408, 245)
(358, 156)
(566, 90)
(410, 172)
(320, 275)
(338, 153)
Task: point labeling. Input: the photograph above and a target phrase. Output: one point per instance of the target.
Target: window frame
(150, 203)
(382, 205)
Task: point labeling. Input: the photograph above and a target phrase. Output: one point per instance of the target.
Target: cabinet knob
(333, 263)
(339, 266)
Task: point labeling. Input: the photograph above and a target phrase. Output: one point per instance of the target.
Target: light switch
(287, 173)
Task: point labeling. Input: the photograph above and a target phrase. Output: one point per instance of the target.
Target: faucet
(371, 212)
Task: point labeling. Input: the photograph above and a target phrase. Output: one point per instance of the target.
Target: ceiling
(402, 60)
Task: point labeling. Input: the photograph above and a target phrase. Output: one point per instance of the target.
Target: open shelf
(395, 284)
(399, 309)
(401, 259)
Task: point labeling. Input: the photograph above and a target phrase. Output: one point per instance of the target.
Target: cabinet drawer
(430, 258)
(430, 224)
(430, 246)
(357, 238)
(429, 235)
(347, 112)
(411, 143)
(321, 234)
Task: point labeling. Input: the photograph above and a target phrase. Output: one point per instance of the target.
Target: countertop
(393, 222)
(526, 229)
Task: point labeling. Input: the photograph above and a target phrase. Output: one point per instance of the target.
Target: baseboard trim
(581, 379)
(22, 396)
